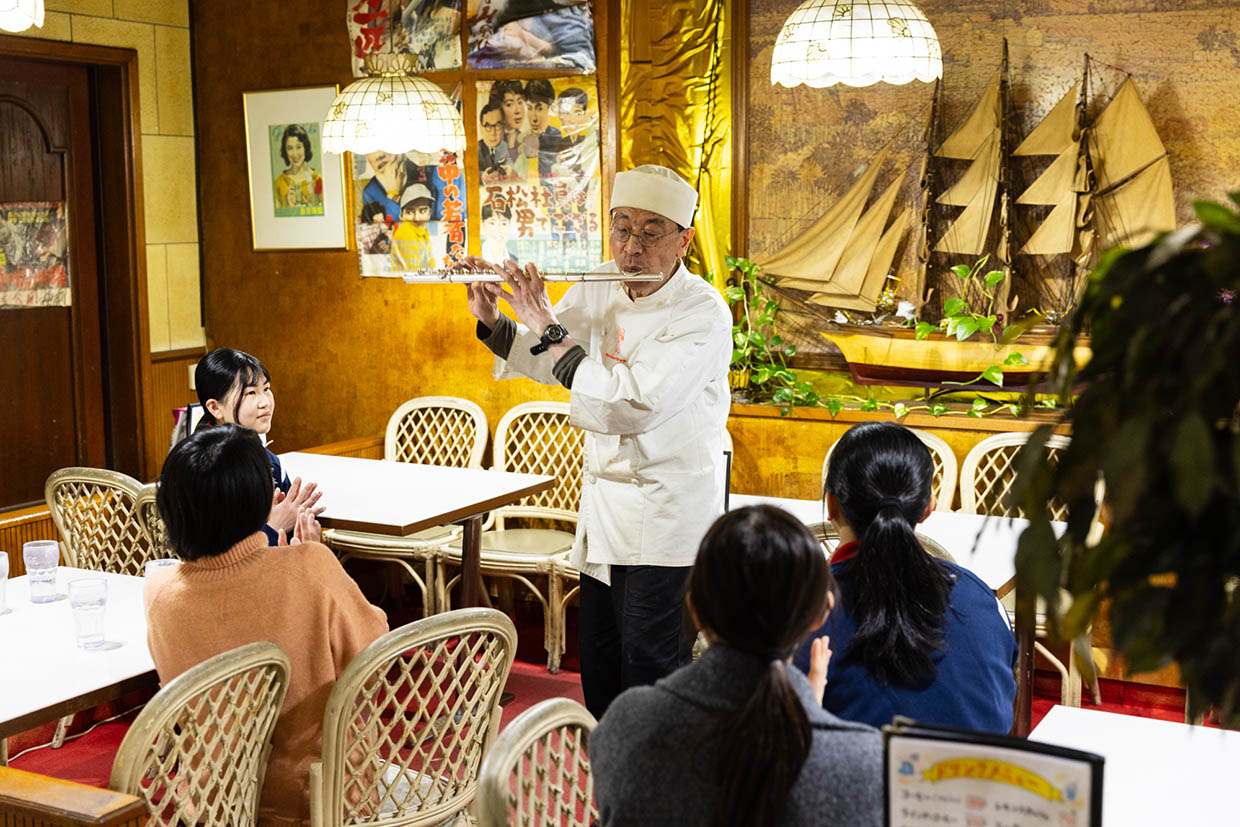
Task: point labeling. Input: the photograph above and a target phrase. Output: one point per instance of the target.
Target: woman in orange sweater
(232, 589)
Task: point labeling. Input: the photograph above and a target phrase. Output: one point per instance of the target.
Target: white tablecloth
(41, 663)
(1157, 773)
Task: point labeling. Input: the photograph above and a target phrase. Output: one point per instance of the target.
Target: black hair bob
(215, 490)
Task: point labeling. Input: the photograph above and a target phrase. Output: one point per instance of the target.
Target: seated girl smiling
(234, 387)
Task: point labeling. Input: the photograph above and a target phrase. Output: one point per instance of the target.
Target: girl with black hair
(739, 737)
(916, 636)
(235, 387)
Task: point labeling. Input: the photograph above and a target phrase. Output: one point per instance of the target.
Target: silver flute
(457, 276)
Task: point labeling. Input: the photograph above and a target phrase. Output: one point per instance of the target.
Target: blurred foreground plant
(1155, 418)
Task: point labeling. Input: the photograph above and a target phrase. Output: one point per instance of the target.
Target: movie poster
(410, 212)
(296, 169)
(538, 158)
(528, 34)
(34, 255)
(428, 30)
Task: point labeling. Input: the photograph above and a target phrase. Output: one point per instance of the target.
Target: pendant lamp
(19, 15)
(392, 110)
(857, 43)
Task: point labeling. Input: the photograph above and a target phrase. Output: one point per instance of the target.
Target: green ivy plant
(962, 321)
(756, 346)
(1157, 421)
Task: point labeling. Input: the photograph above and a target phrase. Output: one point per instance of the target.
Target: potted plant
(1156, 420)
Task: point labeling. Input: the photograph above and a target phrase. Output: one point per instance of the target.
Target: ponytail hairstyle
(896, 593)
(219, 372)
(759, 585)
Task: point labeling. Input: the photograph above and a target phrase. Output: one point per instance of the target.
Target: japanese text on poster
(410, 212)
(538, 158)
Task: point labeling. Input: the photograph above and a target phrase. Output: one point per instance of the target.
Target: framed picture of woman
(297, 193)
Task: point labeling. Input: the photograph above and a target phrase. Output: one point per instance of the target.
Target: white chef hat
(657, 189)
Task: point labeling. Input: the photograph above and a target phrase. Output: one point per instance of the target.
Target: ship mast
(1003, 250)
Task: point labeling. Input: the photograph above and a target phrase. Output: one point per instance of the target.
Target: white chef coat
(652, 396)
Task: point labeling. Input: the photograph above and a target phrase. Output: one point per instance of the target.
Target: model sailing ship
(1108, 183)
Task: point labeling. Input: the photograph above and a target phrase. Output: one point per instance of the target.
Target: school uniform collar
(845, 552)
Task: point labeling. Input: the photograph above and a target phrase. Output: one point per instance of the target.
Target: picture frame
(297, 192)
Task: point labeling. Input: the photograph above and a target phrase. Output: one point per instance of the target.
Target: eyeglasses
(644, 239)
(490, 126)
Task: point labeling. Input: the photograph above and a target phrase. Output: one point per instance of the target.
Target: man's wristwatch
(553, 335)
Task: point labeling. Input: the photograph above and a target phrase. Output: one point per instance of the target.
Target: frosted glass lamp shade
(857, 43)
(19, 15)
(392, 113)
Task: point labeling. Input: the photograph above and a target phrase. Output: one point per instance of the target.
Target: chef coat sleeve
(570, 311)
(664, 374)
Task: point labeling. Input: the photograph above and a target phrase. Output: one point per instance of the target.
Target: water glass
(89, 598)
(41, 558)
(152, 565)
(4, 579)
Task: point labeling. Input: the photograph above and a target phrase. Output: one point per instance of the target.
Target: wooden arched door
(52, 367)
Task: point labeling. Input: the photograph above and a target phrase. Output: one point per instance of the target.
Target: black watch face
(554, 333)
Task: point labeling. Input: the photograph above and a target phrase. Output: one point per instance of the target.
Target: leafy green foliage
(1156, 419)
(757, 347)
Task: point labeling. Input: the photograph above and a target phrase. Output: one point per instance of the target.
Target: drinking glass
(41, 557)
(4, 579)
(89, 598)
(152, 565)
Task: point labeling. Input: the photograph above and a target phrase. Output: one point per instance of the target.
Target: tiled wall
(159, 31)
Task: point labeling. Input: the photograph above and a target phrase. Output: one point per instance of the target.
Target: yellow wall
(158, 30)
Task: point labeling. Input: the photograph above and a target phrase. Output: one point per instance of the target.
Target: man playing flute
(646, 365)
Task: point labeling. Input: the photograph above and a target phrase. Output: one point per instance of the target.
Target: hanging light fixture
(19, 15)
(857, 43)
(392, 110)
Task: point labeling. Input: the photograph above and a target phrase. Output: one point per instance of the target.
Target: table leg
(1026, 609)
(471, 551)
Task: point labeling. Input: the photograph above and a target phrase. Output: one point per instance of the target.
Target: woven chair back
(538, 772)
(94, 511)
(945, 469)
(198, 751)
(988, 473)
(151, 523)
(409, 720)
(437, 430)
(536, 438)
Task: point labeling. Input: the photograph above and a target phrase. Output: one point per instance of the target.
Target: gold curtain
(676, 109)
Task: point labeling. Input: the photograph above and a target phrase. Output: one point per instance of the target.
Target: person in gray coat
(740, 737)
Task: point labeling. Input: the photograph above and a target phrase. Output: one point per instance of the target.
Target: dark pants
(632, 632)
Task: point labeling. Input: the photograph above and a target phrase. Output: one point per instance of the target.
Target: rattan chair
(198, 751)
(987, 475)
(537, 774)
(151, 522)
(94, 511)
(945, 469)
(986, 478)
(534, 438)
(429, 430)
(409, 720)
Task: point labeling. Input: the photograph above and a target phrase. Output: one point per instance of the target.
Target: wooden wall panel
(22, 526)
(782, 456)
(169, 389)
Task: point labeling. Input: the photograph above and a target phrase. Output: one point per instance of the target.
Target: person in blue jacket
(913, 635)
(235, 387)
